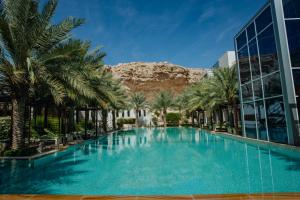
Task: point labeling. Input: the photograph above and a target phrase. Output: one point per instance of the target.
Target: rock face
(150, 78)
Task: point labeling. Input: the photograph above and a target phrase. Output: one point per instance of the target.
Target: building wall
(228, 59)
(265, 92)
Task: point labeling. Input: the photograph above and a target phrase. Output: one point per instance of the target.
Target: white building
(228, 59)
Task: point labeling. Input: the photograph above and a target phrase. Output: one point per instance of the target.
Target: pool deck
(281, 196)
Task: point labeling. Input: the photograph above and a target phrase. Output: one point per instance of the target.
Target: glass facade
(261, 82)
(291, 10)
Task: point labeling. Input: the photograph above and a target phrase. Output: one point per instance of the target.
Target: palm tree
(213, 92)
(26, 34)
(162, 102)
(225, 84)
(181, 103)
(138, 101)
(118, 100)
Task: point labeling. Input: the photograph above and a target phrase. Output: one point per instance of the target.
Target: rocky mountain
(150, 78)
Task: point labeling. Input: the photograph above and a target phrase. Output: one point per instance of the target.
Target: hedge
(122, 121)
(173, 119)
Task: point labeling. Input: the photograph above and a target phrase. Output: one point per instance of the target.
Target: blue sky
(192, 33)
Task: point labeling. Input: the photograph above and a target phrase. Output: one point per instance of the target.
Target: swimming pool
(155, 161)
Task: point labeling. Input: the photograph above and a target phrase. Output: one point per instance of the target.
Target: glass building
(268, 53)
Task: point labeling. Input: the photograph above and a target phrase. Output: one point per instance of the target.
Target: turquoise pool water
(155, 161)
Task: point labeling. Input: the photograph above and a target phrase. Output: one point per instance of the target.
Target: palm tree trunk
(18, 121)
(77, 116)
(96, 122)
(235, 117)
(104, 120)
(45, 117)
(180, 117)
(193, 120)
(114, 120)
(86, 115)
(136, 118)
(198, 118)
(165, 117)
(71, 124)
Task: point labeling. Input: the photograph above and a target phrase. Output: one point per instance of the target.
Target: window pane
(244, 65)
(261, 120)
(267, 50)
(254, 59)
(298, 105)
(263, 20)
(247, 92)
(249, 120)
(251, 31)
(291, 8)
(296, 75)
(241, 40)
(293, 34)
(276, 120)
(257, 89)
(272, 85)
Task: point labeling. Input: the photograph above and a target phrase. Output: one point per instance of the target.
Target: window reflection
(247, 92)
(251, 31)
(293, 34)
(272, 85)
(241, 40)
(254, 59)
(250, 122)
(291, 8)
(257, 89)
(276, 120)
(263, 20)
(268, 53)
(261, 120)
(296, 75)
(244, 65)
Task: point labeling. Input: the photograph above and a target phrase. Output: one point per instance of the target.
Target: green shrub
(122, 121)
(4, 127)
(80, 126)
(173, 119)
(38, 130)
(24, 152)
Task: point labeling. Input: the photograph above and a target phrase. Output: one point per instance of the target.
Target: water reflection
(157, 161)
(143, 138)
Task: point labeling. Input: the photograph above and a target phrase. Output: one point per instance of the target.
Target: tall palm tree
(26, 32)
(181, 103)
(138, 102)
(225, 84)
(212, 92)
(162, 102)
(119, 99)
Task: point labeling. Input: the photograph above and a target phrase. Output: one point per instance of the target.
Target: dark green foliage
(122, 121)
(80, 126)
(4, 127)
(22, 152)
(38, 129)
(173, 119)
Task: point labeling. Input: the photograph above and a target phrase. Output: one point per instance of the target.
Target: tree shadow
(293, 164)
(35, 177)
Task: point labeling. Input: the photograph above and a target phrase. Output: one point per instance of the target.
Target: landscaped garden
(69, 126)
(54, 84)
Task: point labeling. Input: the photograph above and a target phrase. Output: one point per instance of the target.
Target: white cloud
(207, 14)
